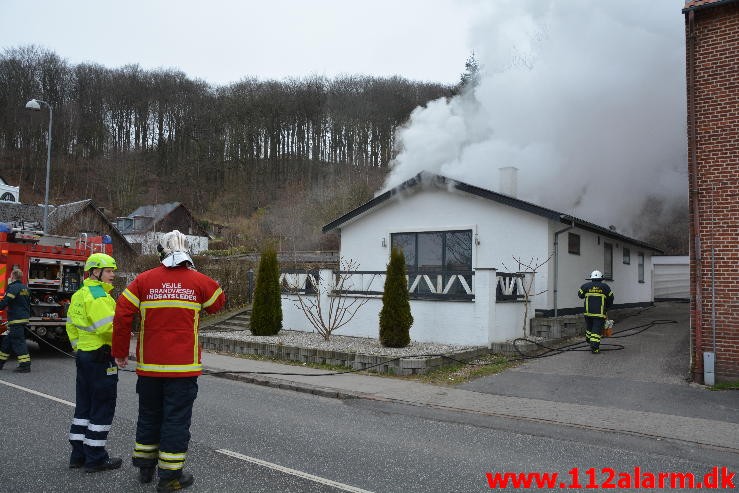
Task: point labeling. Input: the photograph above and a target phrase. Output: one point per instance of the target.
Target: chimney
(508, 177)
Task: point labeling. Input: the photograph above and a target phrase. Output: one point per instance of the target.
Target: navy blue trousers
(15, 340)
(163, 427)
(97, 389)
(594, 331)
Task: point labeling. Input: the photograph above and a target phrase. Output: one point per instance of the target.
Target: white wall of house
(502, 231)
(150, 240)
(574, 270)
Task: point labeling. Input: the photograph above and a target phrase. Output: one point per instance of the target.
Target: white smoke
(586, 98)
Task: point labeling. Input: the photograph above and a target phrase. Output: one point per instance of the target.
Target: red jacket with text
(169, 300)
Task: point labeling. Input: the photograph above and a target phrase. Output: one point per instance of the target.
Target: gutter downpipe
(697, 320)
(556, 258)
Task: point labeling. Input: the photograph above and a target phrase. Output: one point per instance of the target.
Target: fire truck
(53, 270)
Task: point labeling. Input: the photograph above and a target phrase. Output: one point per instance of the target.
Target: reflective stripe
(145, 455)
(80, 421)
(18, 321)
(98, 427)
(170, 304)
(94, 443)
(74, 343)
(169, 368)
(213, 298)
(141, 446)
(96, 325)
(10, 295)
(131, 297)
(24, 358)
(76, 437)
(4, 356)
(171, 457)
(171, 466)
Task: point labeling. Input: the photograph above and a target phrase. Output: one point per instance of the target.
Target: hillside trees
(126, 136)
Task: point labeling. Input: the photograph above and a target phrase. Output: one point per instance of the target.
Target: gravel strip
(359, 345)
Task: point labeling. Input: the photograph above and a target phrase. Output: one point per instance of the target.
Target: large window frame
(436, 252)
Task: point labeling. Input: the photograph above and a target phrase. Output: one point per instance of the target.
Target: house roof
(155, 211)
(701, 4)
(426, 178)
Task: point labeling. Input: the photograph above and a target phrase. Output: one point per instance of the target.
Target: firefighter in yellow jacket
(90, 329)
(598, 299)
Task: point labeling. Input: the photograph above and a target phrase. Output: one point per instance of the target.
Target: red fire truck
(53, 272)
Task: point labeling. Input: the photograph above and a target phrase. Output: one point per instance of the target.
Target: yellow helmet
(100, 261)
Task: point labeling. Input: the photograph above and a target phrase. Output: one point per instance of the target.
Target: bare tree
(330, 307)
(528, 269)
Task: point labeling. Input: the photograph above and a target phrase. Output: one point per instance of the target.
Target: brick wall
(713, 150)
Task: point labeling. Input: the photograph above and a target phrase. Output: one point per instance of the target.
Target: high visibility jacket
(90, 316)
(18, 300)
(169, 300)
(598, 298)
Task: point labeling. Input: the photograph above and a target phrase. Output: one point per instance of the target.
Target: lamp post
(35, 105)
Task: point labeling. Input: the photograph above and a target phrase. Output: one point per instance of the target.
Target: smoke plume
(586, 99)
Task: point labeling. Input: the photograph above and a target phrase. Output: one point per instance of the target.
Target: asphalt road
(358, 444)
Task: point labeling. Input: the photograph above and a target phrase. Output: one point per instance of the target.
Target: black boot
(146, 474)
(23, 369)
(110, 463)
(167, 485)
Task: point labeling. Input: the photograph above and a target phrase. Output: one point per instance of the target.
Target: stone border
(405, 365)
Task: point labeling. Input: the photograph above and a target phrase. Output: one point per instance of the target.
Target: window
(434, 253)
(608, 260)
(640, 257)
(573, 243)
(627, 256)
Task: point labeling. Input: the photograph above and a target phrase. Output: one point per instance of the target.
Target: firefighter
(169, 299)
(598, 298)
(18, 300)
(90, 329)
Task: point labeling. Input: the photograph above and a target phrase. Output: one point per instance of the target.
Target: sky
(585, 97)
(224, 41)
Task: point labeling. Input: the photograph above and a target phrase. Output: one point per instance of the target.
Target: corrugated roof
(425, 178)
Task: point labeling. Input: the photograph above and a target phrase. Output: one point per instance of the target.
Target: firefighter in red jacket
(169, 299)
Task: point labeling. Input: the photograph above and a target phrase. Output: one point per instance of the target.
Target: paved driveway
(649, 374)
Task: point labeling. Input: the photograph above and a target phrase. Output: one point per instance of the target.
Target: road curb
(282, 384)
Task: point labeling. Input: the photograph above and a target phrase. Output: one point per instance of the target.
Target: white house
(474, 256)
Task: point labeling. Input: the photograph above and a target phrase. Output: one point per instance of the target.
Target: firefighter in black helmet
(598, 298)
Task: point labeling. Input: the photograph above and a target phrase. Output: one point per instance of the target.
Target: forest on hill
(271, 160)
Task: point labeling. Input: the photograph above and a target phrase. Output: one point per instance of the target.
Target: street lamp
(35, 105)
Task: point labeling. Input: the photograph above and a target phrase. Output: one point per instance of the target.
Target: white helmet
(596, 275)
(174, 249)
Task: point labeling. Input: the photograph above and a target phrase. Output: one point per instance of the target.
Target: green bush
(395, 316)
(266, 314)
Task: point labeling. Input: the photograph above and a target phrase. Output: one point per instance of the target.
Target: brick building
(712, 48)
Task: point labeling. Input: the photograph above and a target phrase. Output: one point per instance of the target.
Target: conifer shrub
(395, 316)
(266, 312)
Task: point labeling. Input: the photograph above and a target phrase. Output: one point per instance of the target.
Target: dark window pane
(430, 251)
(407, 243)
(627, 256)
(608, 260)
(641, 267)
(573, 243)
(459, 251)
